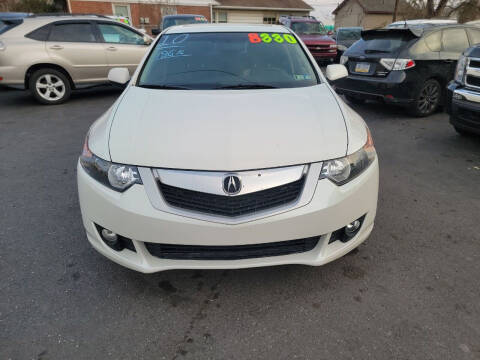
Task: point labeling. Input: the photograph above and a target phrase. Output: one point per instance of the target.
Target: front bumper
(394, 88)
(131, 214)
(464, 107)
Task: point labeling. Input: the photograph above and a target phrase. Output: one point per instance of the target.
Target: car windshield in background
(353, 34)
(6, 25)
(205, 61)
(380, 43)
(309, 28)
(183, 21)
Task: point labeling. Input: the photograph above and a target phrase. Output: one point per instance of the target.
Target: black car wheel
(428, 99)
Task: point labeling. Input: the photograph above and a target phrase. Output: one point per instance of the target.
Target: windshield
(183, 21)
(309, 28)
(350, 34)
(205, 61)
(6, 25)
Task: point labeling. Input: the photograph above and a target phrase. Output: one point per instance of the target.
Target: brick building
(147, 14)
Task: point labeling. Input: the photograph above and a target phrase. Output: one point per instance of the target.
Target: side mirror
(147, 40)
(119, 76)
(156, 32)
(336, 71)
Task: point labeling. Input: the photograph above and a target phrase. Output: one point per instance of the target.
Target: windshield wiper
(164, 87)
(247, 86)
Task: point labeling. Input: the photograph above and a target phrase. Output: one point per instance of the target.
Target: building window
(269, 20)
(121, 10)
(222, 17)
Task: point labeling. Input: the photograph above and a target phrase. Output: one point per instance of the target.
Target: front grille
(237, 252)
(320, 48)
(474, 64)
(232, 206)
(473, 81)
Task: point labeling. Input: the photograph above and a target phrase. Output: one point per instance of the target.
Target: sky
(323, 9)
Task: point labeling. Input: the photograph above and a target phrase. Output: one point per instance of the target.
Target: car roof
(183, 16)
(204, 28)
(350, 28)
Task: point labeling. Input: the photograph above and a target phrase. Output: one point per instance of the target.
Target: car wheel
(355, 100)
(50, 86)
(428, 99)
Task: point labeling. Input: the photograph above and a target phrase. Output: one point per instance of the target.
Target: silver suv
(52, 55)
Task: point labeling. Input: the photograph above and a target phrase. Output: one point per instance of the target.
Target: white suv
(228, 149)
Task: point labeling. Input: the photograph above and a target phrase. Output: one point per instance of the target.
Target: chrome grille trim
(472, 71)
(150, 181)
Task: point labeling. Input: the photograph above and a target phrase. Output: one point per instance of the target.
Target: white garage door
(249, 17)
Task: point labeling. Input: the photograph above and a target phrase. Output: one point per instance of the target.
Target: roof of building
(265, 4)
(371, 6)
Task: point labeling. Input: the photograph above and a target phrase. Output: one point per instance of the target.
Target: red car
(314, 35)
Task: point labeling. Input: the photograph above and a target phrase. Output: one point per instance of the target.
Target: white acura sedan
(227, 149)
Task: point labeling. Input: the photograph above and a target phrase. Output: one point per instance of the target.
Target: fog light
(352, 228)
(109, 237)
(348, 232)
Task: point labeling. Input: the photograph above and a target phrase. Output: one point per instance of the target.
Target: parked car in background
(170, 175)
(463, 103)
(13, 15)
(314, 35)
(184, 19)
(52, 55)
(420, 22)
(410, 67)
(346, 37)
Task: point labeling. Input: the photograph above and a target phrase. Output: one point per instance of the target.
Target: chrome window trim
(311, 172)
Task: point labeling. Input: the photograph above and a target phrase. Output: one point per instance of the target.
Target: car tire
(428, 99)
(50, 86)
(355, 100)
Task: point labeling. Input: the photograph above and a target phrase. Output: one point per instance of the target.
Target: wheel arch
(39, 66)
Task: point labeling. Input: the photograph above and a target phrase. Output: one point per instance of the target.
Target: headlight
(341, 171)
(333, 45)
(342, 47)
(115, 176)
(343, 59)
(460, 71)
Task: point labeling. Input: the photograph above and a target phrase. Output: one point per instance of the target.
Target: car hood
(227, 130)
(317, 39)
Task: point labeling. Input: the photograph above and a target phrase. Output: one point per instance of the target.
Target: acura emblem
(232, 184)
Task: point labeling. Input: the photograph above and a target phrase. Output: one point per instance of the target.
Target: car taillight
(397, 64)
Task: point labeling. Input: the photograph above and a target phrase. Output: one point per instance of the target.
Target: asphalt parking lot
(410, 292)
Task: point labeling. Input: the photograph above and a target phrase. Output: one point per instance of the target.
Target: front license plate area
(362, 68)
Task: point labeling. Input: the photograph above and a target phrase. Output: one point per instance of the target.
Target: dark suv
(409, 67)
(463, 103)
